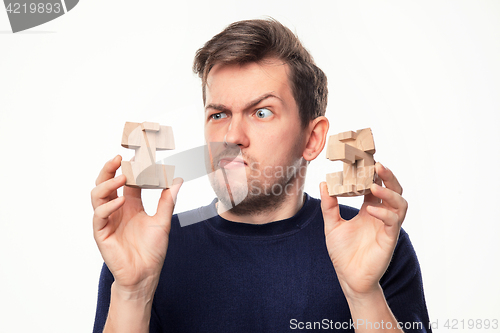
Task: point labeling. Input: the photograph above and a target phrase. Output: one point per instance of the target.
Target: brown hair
(254, 40)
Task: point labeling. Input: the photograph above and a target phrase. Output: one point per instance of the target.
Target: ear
(318, 129)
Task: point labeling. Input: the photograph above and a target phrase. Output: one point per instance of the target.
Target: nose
(237, 133)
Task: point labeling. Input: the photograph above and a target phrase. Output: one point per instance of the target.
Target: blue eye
(263, 113)
(219, 115)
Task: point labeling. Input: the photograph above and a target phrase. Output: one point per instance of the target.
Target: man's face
(251, 108)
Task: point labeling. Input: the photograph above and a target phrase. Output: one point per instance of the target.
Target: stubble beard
(252, 195)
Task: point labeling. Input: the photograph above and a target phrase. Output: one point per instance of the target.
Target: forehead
(233, 82)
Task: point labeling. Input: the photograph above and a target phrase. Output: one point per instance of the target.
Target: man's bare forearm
(371, 313)
(129, 311)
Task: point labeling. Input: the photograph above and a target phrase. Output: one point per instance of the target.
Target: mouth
(231, 162)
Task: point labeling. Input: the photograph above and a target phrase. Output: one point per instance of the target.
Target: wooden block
(369, 178)
(361, 163)
(329, 149)
(127, 171)
(139, 176)
(349, 135)
(350, 173)
(364, 141)
(365, 171)
(132, 135)
(148, 126)
(346, 190)
(341, 190)
(356, 150)
(145, 174)
(334, 179)
(334, 182)
(339, 151)
(165, 175)
(336, 186)
(349, 191)
(164, 180)
(360, 190)
(165, 138)
(146, 138)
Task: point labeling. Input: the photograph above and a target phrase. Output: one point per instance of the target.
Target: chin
(232, 192)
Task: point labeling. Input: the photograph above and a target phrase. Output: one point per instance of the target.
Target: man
(271, 259)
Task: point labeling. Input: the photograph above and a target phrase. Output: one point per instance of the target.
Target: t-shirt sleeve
(403, 288)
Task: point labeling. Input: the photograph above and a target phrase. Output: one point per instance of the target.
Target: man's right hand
(132, 243)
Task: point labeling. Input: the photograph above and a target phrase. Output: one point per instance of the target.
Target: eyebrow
(223, 108)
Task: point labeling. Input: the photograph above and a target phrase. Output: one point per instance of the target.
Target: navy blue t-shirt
(223, 276)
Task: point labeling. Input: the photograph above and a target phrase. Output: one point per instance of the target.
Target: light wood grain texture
(146, 138)
(356, 150)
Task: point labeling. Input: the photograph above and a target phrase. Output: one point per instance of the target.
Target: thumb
(330, 208)
(167, 201)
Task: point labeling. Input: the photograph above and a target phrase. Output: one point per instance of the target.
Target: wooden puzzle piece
(356, 150)
(146, 138)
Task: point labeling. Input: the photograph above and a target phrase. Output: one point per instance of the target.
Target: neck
(288, 207)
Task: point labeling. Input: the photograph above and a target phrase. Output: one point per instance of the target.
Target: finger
(377, 179)
(391, 199)
(109, 169)
(130, 192)
(105, 191)
(390, 181)
(102, 212)
(388, 217)
(330, 208)
(371, 199)
(167, 201)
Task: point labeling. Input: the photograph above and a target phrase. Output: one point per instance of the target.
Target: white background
(424, 75)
